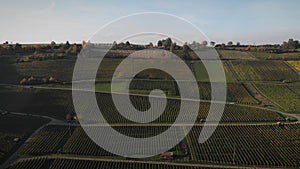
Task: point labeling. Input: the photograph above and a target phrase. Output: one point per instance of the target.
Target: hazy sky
(246, 21)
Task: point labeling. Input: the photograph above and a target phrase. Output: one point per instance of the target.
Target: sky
(248, 22)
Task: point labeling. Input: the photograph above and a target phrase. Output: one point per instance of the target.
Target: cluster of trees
(229, 44)
(291, 44)
(12, 49)
(166, 44)
(32, 80)
(126, 46)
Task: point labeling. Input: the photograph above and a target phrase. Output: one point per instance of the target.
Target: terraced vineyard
(263, 71)
(43, 163)
(281, 95)
(268, 145)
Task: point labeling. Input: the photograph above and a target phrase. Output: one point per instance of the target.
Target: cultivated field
(235, 55)
(263, 71)
(276, 56)
(254, 129)
(282, 95)
(268, 145)
(243, 145)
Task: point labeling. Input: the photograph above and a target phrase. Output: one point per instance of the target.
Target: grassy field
(281, 95)
(263, 71)
(16, 126)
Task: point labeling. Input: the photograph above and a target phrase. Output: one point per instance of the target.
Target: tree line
(53, 50)
(31, 52)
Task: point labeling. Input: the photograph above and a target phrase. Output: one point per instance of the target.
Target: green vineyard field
(248, 145)
(268, 145)
(282, 95)
(263, 71)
